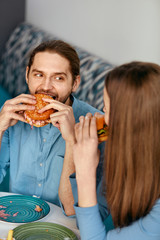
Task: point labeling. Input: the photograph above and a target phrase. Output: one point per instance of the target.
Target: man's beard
(67, 98)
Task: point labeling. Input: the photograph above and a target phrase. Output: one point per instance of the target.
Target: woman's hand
(86, 158)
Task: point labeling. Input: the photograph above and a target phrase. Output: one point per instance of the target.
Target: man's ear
(76, 83)
(27, 72)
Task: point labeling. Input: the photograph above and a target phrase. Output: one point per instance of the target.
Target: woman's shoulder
(151, 222)
(147, 227)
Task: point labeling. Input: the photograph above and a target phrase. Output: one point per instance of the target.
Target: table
(55, 216)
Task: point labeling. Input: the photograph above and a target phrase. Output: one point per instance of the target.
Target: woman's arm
(86, 158)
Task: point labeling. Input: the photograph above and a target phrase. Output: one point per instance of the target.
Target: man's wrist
(71, 141)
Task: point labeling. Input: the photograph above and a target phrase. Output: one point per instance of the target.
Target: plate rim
(41, 224)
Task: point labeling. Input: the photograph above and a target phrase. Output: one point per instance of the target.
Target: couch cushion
(4, 95)
(93, 71)
(15, 58)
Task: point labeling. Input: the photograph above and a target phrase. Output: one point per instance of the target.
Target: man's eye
(38, 75)
(58, 78)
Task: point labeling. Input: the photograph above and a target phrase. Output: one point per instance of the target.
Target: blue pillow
(4, 95)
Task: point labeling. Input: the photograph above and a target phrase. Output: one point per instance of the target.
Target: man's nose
(47, 84)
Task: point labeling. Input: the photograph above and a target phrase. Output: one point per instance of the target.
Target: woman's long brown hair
(132, 162)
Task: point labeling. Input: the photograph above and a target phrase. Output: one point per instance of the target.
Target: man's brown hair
(132, 174)
(62, 48)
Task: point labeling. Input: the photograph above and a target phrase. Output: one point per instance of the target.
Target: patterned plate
(43, 231)
(22, 209)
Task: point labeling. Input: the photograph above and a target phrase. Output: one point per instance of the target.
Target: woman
(131, 180)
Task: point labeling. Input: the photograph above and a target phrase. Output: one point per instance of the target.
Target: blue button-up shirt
(35, 157)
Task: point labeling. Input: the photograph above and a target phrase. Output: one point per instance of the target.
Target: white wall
(117, 30)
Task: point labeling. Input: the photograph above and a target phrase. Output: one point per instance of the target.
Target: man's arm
(65, 190)
(64, 120)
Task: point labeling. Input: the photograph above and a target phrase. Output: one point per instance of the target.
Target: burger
(102, 128)
(33, 117)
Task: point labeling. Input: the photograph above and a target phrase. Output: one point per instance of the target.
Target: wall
(11, 13)
(116, 30)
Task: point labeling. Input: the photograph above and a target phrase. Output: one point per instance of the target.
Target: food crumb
(15, 214)
(38, 209)
(1, 206)
(3, 214)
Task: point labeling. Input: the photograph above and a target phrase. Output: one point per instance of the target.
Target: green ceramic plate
(43, 231)
(21, 209)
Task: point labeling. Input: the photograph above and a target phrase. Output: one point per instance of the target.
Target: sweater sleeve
(90, 223)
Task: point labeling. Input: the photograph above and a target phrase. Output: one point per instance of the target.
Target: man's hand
(13, 109)
(63, 119)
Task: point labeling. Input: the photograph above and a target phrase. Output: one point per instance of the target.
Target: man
(40, 159)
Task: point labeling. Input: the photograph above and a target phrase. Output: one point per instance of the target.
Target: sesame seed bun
(33, 117)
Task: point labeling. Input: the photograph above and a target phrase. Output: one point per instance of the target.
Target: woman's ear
(27, 73)
(76, 83)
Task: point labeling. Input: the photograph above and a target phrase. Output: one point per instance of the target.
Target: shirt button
(44, 139)
(39, 184)
(41, 164)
